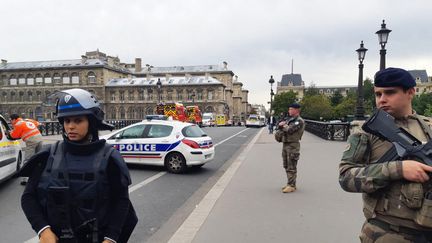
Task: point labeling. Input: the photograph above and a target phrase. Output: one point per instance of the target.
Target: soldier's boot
(288, 189)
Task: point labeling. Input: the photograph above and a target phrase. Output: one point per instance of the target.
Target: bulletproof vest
(296, 136)
(86, 178)
(402, 203)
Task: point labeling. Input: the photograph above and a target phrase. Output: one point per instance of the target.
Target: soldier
(394, 192)
(292, 132)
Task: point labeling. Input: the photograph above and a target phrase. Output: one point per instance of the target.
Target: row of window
(137, 112)
(47, 78)
(114, 113)
(170, 95)
(27, 96)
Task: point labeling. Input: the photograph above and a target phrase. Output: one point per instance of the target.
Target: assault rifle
(405, 145)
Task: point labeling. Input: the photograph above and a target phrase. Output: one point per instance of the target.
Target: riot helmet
(77, 102)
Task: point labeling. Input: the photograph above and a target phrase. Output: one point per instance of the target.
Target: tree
(316, 107)
(311, 90)
(283, 100)
(428, 111)
(346, 107)
(369, 95)
(336, 98)
(421, 102)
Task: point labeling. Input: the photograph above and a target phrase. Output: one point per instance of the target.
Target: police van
(11, 155)
(173, 144)
(255, 121)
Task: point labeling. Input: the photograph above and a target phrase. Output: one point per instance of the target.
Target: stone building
(126, 91)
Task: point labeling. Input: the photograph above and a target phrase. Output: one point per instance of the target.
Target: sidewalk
(248, 206)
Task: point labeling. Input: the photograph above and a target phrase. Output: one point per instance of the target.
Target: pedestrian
(78, 187)
(394, 192)
(271, 122)
(28, 131)
(293, 129)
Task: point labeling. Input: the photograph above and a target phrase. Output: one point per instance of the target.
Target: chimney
(3, 61)
(110, 61)
(138, 67)
(83, 59)
(225, 65)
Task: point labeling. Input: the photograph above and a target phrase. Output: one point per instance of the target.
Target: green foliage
(336, 98)
(283, 100)
(311, 90)
(316, 107)
(346, 107)
(421, 103)
(428, 111)
(369, 95)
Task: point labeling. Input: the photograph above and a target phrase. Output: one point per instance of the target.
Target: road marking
(146, 181)
(190, 227)
(33, 240)
(226, 139)
(150, 179)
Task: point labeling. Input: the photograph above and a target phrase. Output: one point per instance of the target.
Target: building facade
(126, 91)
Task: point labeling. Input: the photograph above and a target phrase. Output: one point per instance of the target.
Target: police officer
(78, 187)
(293, 129)
(395, 201)
(27, 130)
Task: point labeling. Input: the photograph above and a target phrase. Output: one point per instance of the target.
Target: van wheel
(175, 163)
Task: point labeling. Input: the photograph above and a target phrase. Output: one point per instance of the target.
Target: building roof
(78, 63)
(201, 80)
(295, 79)
(419, 75)
(181, 69)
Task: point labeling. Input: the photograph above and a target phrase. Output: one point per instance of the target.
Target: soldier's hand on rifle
(47, 236)
(415, 171)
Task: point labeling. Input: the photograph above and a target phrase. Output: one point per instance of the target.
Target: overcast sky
(257, 38)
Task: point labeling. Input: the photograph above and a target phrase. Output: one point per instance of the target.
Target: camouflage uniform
(293, 132)
(396, 210)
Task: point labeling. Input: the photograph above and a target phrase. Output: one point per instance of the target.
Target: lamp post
(193, 97)
(271, 81)
(359, 107)
(383, 34)
(159, 89)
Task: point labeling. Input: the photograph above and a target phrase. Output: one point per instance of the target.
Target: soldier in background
(293, 129)
(396, 201)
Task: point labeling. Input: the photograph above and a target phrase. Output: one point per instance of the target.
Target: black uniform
(116, 214)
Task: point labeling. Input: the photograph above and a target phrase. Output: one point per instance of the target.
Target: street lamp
(359, 107)
(193, 97)
(271, 81)
(383, 34)
(159, 89)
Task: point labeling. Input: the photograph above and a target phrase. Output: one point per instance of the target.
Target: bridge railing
(329, 130)
(54, 128)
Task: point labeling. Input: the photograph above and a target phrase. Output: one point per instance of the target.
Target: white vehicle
(208, 120)
(11, 155)
(255, 121)
(173, 144)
